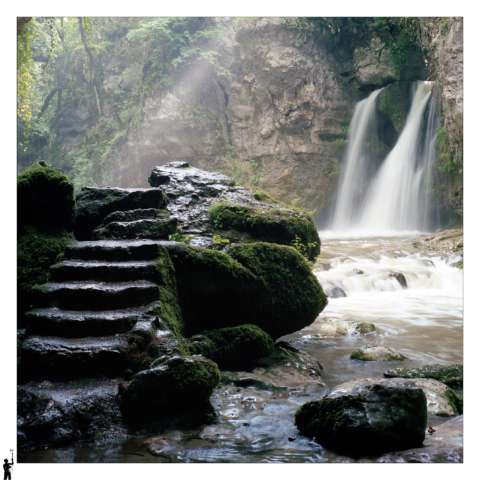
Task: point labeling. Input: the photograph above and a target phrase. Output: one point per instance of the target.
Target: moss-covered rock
(366, 420)
(281, 226)
(376, 353)
(45, 197)
(269, 285)
(451, 375)
(177, 383)
(37, 250)
(234, 346)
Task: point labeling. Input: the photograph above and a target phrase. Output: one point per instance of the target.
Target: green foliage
(180, 237)
(447, 166)
(218, 240)
(178, 42)
(303, 250)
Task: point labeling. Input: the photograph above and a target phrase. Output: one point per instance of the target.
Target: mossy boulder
(177, 383)
(280, 226)
(451, 375)
(37, 250)
(45, 198)
(270, 286)
(232, 347)
(376, 353)
(367, 420)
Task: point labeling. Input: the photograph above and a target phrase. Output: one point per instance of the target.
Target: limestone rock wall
(448, 56)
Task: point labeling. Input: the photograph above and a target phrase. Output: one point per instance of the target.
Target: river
(423, 322)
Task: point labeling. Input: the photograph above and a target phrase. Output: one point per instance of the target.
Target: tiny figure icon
(6, 469)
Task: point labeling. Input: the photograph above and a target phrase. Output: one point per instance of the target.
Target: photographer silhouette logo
(7, 468)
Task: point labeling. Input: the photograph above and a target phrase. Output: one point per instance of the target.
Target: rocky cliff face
(448, 65)
(278, 121)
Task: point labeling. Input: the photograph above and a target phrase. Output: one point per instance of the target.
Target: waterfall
(353, 179)
(396, 198)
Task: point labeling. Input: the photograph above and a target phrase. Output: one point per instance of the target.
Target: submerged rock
(400, 277)
(331, 290)
(286, 368)
(451, 375)
(364, 328)
(441, 399)
(232, 347)
(376, 353)
(366, 419)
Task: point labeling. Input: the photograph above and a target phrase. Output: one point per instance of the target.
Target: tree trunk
(91, 65)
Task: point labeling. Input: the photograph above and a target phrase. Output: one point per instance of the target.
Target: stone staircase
(100, 291)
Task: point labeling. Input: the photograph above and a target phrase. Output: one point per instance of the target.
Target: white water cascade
(353, 177)
(396, 198)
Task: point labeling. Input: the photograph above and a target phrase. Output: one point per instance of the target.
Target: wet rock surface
(173, 385)
(376, 353)
(451, 375)
(51, 414)
(251, 214)
(366, 419)
(441, 399)
(286, 368)
(94, 204)
(449, 241)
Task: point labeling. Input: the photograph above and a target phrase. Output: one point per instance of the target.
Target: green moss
(169, 310)
(451, 375)
(279, 226)
(270, 285)
(172, 385)
(234, 346)
(327, 414)
(460, 265)
(364, 327)
(261, 196)
(37, 250)
(456, 402)
(286, 275)
(45, 197)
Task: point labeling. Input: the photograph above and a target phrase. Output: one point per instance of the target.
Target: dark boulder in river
(171, 385)
(366, 420)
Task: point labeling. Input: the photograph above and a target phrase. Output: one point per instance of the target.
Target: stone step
(96, 296)
(155, 229)
(54, 357)
(104, 271)
(75, 324)
(113, 250)
(94, 204)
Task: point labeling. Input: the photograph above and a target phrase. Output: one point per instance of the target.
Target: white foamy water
(424, 321)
